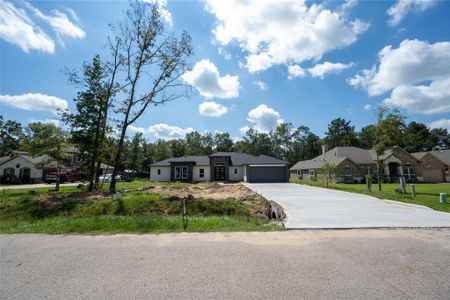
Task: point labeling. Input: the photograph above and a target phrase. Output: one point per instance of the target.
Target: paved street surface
(36, 186)
(311, 264)
(313, 207)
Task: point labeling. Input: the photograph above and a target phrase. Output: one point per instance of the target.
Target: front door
(219, 173)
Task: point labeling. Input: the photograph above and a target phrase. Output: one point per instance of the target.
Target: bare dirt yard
(206, 191)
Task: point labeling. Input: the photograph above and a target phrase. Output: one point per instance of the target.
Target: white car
(105, 178)
(108, 177)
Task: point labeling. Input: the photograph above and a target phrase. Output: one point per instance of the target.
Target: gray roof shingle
(442, 155)
(237, 159)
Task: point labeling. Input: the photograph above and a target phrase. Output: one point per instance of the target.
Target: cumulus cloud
(34, 102)
(60, 23)
(320, 70)
(162, 9)
(295, 71)
(205, 77)
(18, 27)
(243, 130)
(212, 109)
(282, 32)
(367, 107)
(442, 123)
(402, 8)
(425, 99)
(262, 86)
(168, 132)
(416, 72)
(264, 118)
(135, 129)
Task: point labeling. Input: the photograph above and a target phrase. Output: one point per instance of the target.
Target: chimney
(324, 148)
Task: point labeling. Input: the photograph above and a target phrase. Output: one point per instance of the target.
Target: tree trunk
(112, 186)
(378, 173)
(57, 176)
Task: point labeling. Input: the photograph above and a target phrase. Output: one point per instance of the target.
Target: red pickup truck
(64, 177)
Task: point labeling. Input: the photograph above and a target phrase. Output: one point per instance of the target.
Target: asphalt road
(36, 186)
(313, 207)
(350, 264)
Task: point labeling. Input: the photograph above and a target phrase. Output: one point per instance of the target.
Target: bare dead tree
(152, 62)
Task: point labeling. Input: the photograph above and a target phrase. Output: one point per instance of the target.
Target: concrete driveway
(313, 207)
(36, 186)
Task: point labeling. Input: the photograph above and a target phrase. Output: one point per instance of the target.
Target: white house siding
(36, 174)
(236, 177)
(163, 176)
(196, 173)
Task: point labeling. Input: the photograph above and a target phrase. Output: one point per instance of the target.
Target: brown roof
(442, 155)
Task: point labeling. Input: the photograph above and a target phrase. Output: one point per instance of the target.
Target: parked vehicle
(63, 177)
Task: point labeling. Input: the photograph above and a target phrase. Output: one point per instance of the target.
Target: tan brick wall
(432, 169)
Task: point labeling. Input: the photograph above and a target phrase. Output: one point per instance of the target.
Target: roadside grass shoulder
(427, 194)
(139, 211)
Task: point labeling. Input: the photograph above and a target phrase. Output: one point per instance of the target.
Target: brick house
(354, 164)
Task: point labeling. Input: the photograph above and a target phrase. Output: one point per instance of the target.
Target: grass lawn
(427, 194)
(73, 211)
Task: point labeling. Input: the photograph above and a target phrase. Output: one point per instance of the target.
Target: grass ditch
(139, 211)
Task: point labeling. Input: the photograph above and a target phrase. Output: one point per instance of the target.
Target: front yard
(145, 207)
(427, 194)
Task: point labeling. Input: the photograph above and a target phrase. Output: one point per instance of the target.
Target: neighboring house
(354, 164)
(221, 166)
(435, 165)
(21, 167)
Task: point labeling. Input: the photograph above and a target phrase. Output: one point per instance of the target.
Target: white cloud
(52, 121)
(442, 123)
(401, 8)
(135, 129)
(282, 32)
(168, 132)
(60, 23)
(320, 70)
(17, 28)
(212, 109)
(264, 118)
(243, 130)
(367, 107)
(295, 71)
(416, 72)
(262, 86)
(162, 9)
(425, 99)
(34, 102)
(207, 80)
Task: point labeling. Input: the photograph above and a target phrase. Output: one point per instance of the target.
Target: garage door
(267, 174)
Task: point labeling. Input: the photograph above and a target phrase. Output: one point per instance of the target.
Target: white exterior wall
(164, 176)
(196, 173)
(36, 174)
(236, 177)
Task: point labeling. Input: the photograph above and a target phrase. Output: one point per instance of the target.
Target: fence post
(184, 212)
(413, 190)
(443, 198)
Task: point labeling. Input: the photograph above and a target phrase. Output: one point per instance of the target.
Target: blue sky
(255, 65)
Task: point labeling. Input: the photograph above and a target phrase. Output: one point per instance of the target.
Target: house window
(8, 172)
(177, 172)
(159, 171)
(370, 171)
(311, 172)
(299, 172)
(408, 172)
(235, 171)
(201, 173)
(347, 171)
(184, 174)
